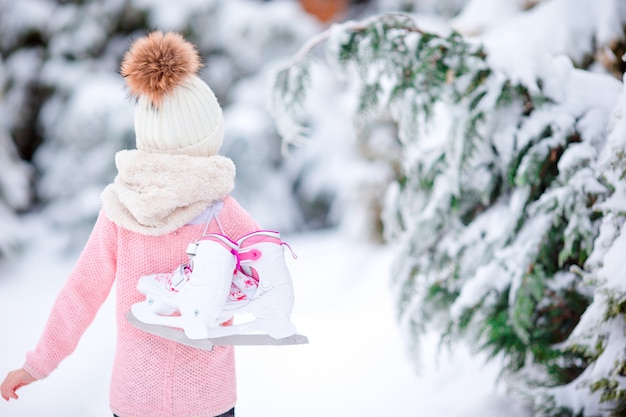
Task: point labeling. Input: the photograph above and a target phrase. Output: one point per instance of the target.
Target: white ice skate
(161, 289)
(198, 291)
(261, 286)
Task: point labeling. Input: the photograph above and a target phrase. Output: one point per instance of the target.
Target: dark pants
(229, 413)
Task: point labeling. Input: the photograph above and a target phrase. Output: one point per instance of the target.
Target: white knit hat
(176, 112)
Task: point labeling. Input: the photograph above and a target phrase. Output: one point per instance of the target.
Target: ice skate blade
(207, 344)
(169, 333)
(258, 340)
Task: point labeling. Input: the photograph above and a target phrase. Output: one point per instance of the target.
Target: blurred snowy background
(483, 241)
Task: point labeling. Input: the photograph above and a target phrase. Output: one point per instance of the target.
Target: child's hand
(14, 381)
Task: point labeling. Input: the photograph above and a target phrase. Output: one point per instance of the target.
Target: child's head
(176, 112)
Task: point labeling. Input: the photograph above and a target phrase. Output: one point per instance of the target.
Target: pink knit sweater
(152, 377)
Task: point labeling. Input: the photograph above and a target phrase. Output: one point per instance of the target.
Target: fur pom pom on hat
(176, 112)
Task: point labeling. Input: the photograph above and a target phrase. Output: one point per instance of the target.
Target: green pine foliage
(495, 210)
(600, 335)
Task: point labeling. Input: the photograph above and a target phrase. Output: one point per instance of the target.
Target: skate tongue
(191, 248)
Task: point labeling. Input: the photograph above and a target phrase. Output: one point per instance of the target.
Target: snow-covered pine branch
(600, 333)
(496, 204)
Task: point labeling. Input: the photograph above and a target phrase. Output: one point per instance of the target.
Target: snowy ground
(355, 364)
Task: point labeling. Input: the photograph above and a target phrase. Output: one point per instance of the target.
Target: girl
(164, 196)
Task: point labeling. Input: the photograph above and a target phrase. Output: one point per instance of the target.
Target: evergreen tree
(496, 209)
(14, 194)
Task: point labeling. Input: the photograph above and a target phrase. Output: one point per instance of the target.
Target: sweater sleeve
(76, 305)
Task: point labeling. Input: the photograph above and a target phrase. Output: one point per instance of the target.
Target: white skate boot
(262, 286)
(198, 291)
(160, 289)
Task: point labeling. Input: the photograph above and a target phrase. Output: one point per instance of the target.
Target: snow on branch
(496, 211)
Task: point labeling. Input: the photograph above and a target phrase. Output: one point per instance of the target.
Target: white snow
(354, 365)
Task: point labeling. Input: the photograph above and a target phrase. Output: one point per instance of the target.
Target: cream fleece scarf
(155, 194)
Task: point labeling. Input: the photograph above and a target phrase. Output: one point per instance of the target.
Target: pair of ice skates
(221, 280)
